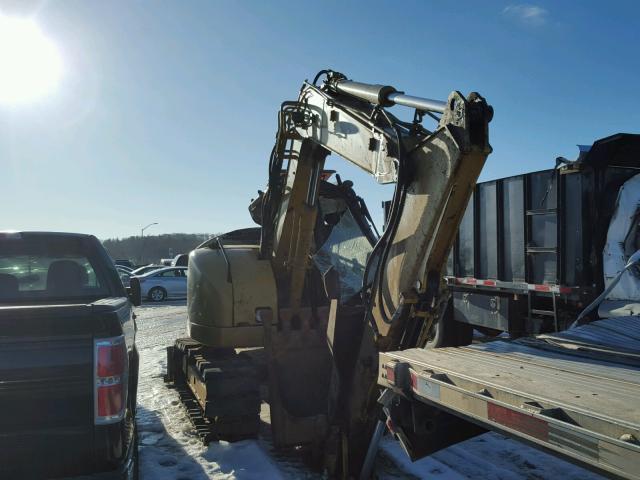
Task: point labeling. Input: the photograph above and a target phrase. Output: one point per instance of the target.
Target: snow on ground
(170, 448)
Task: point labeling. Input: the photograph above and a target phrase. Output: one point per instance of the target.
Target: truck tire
(449, 333)
(132, 472)
(136, 457)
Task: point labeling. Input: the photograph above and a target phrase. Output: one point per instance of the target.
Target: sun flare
(30, 63)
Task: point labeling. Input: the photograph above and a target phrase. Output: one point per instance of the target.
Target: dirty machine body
(315, 285)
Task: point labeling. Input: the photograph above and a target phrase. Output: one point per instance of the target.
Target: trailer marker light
(391, 372)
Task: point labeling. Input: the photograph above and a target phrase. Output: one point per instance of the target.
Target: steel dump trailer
(529, 253)
(532, 252)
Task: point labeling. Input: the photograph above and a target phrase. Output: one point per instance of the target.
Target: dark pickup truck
(68, 359)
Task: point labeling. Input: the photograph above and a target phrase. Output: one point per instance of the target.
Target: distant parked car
(125, 263)
(146, 269)
(124, 274)
(180, 260)
(164, 283)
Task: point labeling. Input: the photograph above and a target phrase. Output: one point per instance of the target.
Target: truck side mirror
(133, 292)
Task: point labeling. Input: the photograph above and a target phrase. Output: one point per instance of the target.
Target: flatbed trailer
(575, 394)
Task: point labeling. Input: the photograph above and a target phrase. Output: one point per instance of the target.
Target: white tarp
(618, 248)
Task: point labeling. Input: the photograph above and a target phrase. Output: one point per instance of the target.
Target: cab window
(48, 269)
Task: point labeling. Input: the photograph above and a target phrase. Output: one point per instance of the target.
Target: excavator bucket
(299, 374)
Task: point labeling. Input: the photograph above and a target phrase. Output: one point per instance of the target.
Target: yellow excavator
(304, 304)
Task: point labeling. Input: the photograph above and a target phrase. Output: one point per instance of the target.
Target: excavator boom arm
(434, 172)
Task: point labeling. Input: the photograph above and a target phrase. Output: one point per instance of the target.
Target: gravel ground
(170, 449)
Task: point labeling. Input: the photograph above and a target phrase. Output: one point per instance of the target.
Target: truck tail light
(111, 369)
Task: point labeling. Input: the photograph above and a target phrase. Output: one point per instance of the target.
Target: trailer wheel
(449, 333)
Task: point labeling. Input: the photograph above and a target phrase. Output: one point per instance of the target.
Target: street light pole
(142, 239)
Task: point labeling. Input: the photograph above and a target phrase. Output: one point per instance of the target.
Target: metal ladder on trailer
(539, 208)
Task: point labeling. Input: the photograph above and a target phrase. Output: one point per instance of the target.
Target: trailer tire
(449, 333)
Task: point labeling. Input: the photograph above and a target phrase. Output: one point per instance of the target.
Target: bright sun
(30, 64)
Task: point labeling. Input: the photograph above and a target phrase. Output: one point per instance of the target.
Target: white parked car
(124, 273)
(146, 269)
(164, 283)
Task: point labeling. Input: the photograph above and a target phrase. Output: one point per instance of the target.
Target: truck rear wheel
(136, 456)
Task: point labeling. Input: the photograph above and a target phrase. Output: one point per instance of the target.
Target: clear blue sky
(166, 111)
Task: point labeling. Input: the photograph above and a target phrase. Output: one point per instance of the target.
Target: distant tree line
(153, 247)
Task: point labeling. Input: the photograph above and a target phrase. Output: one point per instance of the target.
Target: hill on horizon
(152, 248)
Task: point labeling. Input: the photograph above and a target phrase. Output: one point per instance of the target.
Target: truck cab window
(32, 271)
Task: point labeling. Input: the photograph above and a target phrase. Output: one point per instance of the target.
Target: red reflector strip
(414, 380)
(110, 400)
(513, 285)
(391, 373)
(522, 422)
(542, 288)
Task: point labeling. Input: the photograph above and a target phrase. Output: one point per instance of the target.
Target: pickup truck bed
(68, 360)
(575, 393)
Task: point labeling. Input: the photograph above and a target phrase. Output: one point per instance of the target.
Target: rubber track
(228, 404)
(204, 428)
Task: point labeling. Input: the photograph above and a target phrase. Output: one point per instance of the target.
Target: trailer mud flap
(423, 429)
